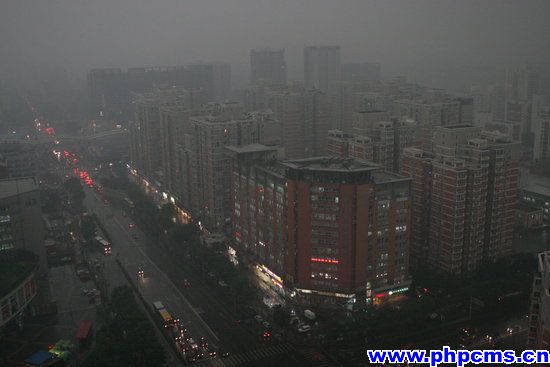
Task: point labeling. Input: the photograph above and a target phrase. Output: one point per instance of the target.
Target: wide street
(201, 309)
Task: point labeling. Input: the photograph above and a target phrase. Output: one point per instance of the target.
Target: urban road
(201, 310)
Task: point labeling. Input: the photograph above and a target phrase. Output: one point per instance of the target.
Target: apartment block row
(464, 193)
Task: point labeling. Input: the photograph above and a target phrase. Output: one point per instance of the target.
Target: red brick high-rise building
(333, 230)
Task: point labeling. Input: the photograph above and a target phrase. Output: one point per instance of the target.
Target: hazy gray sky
(80, 34)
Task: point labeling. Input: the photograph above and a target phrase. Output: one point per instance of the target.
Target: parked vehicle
(309, 315)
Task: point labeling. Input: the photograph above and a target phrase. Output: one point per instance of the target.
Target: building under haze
(321, 66)
(381, 142)
(304, 116)
(19, 157)
(437, 111)
(267, 66)
(174, 124)
(361, 71)
(541, 133)
(539, 315)
(464, 192)
(21, 223)
(147, 146)
(110, 91)
(206, 165)
(333, 230)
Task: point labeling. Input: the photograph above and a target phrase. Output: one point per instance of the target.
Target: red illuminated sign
(321, 260)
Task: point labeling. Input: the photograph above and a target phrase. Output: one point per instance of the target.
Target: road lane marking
(167, 280)
(169, 283)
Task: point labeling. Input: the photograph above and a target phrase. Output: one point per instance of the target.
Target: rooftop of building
(331, 164)
(339, 134)
(371, 111)
(527, 208)
(380, 177)
(534, 183)
(458, 126)
(270, 49)
(15, 186)
(251, 148)
(14, 271)
(210, 119)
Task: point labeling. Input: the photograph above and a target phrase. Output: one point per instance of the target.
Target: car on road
(266, 335)
(186, 283)
(192, 343)
(141, 272)
(182, 328)
(223, 284)
(203, 342)
(266, 324)
(131, 225)
(258, 318)
(304, 328)
(223, 353)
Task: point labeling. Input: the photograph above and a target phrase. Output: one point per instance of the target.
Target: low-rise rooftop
(380, 177)
(12, 273)
(334, 164)
(251, 148)
(12, 187)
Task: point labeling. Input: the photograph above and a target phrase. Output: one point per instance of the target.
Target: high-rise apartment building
(110, 91)
(213, 78)
(340, 144)
(347, 97)
(463, 192)
(520, 87)
(304, 116)
(208, 164)
(502, 194)
(436, 111)
(521, 84)
(108, 94)
(267, 66)
(539, 315)
(381, 142)
(174, 124)
(541, 131)
(146, 143)
(333, 230)
(321, 66)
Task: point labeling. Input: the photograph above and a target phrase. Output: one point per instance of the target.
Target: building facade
(208, 165)
(110, 91)
(343, 224)
(464, 192)
(21, 225)
(539, 315)
(268, 66)
(321, 66)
